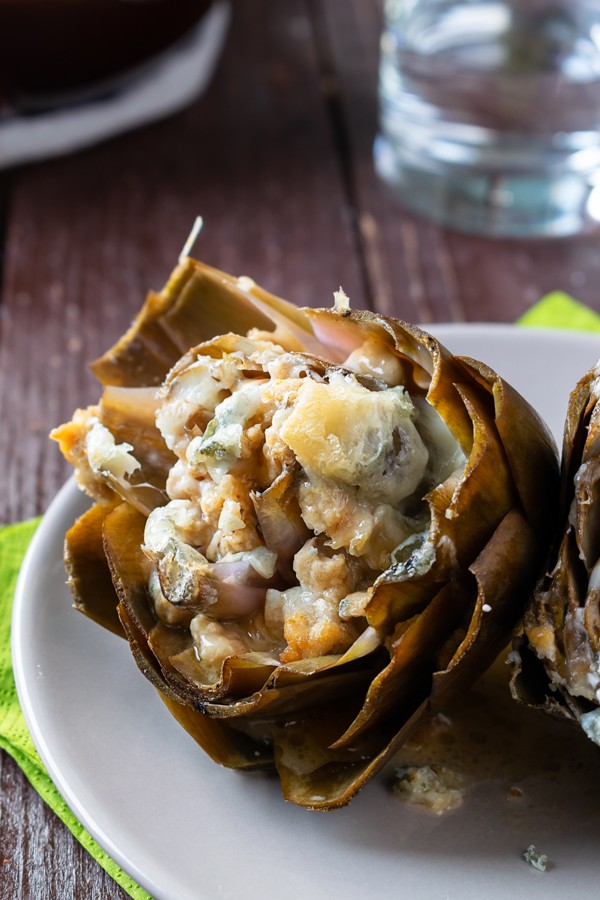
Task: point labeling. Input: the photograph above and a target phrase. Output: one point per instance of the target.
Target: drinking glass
(489, 113)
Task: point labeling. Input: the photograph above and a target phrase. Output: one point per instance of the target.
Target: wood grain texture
(277, 157)
(39, 859)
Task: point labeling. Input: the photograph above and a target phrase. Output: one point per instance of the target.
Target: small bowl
(54, 48)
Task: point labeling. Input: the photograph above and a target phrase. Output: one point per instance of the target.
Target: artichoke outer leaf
(529, 682)
(486, 491)
(144, 658)
(444, 395)
(529, 447)
(196, 304)
(123, 534)
(462, 519)
(88, 573)
(587, 512)
(239, 677)
(413, 653)
(544, 621)
(144, 354)
(335, 784)
(129, 414)
(308, 677)
(289, 699)
(575, 434)
(224, 745)
(501, 593)
(592, 618)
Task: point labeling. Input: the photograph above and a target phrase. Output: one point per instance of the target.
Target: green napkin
(14, 737)
(556, 310)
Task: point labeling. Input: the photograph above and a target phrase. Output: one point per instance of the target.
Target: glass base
(477, 201)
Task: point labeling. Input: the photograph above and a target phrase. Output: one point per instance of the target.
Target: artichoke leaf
(502, 590)
(462, 519)
(341, 334)
(144, 658)
(414, 647)
(333, 784)
(287, 700)
(587, 511)
(556, 662)
(129, 414)
(592, 618)
(251, 674)
(225, 746)
(473, 513)
(89, 577)
(280, 520)
(123, 533)
(197, 303)
(238, 677)
(528, 443)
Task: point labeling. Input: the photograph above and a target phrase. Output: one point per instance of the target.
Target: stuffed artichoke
(557, 653)
(313, 527)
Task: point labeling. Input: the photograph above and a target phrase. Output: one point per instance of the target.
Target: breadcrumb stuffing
(287, 497)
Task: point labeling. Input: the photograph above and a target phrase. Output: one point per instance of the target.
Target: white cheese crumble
(345, 432)
(435, 788)
(539, 861)
(245, 283)
(595, 385)
(590, 722)
(263, 561)
(221, 444)
(341, 300)
(231, 517)
(105, 455)
(594, 579)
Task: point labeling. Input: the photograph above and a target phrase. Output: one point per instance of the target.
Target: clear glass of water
(490, 113)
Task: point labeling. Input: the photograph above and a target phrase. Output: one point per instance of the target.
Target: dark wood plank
(39, 860)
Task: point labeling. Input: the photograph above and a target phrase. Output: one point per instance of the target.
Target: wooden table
(277, 158)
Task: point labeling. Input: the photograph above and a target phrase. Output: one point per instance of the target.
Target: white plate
(187, 829)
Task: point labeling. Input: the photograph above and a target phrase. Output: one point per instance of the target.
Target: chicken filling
(296, 485)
